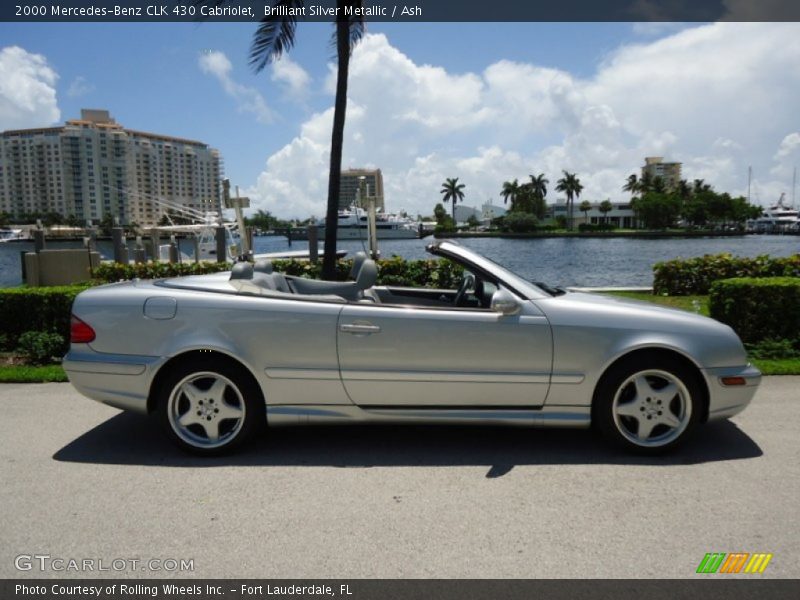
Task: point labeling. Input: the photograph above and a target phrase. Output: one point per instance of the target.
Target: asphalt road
(81, 480)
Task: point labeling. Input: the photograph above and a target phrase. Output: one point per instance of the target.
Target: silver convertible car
(217, 357)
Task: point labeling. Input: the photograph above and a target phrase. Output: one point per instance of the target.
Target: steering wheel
(466, 284)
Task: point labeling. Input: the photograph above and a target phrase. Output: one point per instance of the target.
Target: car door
(401, 356)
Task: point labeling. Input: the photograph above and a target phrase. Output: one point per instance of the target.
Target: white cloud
(79, 87)
(716, 97)
(27, 90)
(247, 99)
(292, 76)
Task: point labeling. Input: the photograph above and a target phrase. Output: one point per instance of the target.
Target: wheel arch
(189, 356)
(656, 353)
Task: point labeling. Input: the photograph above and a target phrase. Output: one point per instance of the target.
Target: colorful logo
(735, 562)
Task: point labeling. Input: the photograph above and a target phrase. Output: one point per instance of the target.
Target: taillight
(80, 332)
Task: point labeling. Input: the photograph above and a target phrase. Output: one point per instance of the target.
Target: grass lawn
(31, 374)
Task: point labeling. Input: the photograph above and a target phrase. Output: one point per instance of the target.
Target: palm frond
(274, 36)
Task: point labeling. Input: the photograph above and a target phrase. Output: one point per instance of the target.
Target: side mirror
(505, 302)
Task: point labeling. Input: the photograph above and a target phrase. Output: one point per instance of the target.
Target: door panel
(392, 356)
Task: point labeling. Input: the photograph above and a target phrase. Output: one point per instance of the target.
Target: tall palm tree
(659, 185)
(570, 185)
(274, 36)
(585, 207)
(684, 189)
(539, 185)
(605, 208)
(631, 184)
(452, 190)
(510, 191)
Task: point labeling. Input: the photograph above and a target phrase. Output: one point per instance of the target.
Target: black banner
(403, 12)
(713, 588)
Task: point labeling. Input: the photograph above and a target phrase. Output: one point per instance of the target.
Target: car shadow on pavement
(128, 439)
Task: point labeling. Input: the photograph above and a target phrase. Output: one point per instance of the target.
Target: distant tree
(106, 224)
(510, 191)
(659, 186)
(473, 222)
(657, 210)
(452, 191)
(585, 207)
(262, 220)
(683, 189)
(539, 185)
(631, 184)
(570, 185)
(699, 186)
(73, 221)
(605, 208)
(5, 219)
(439, 213)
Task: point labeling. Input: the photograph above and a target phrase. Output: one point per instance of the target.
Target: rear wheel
(210, 408)
(648, 406)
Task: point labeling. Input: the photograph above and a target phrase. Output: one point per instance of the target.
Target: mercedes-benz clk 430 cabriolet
(215, 358)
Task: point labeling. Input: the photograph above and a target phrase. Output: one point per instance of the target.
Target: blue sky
(486, 102)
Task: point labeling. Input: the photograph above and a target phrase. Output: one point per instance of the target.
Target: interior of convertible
(475, 291)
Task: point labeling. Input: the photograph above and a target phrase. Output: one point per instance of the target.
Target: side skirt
(557, 416)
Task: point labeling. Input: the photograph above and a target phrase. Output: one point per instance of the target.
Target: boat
(7, 235)
(778, 218)
(352, 225)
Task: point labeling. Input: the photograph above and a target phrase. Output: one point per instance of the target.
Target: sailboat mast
(749, 181)
(794, 187)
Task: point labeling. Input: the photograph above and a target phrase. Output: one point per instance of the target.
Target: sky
(484, 102)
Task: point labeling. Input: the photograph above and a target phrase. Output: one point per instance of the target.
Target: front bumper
(728, 400)
(118, 380)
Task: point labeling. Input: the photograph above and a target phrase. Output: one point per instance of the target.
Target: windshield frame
(471, 260)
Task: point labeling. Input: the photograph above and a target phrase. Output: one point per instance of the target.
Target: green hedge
(45, 309)
(694, 276)
(766, 308)
(391, 271)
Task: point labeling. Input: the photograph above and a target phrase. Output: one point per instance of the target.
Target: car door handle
(357, 328)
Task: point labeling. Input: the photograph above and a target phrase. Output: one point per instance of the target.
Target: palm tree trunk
(337, 141)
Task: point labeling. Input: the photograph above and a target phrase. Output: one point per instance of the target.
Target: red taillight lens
(80, 332)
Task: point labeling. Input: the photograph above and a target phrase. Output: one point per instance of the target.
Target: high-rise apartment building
(92, 166)
(350, 182)
(669, 172)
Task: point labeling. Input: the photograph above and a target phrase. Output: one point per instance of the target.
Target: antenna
(794, 187)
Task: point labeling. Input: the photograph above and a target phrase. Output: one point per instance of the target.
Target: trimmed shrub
(519, 222)
(694, 276)
(40, 347)
(391, 271)
(766, 308)
(595, 227)
(44, 309)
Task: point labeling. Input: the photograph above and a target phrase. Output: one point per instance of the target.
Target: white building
(92, 166)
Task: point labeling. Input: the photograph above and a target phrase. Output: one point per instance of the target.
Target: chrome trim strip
(567, 378)
(104, 367)
(449, 376)
(316, 374)
(563, 416)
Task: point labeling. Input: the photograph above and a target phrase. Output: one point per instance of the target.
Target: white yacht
(6, 235)
(777, 218)
(352, 225)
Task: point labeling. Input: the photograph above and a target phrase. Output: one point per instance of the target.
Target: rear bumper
(118, 380)
(728, 400)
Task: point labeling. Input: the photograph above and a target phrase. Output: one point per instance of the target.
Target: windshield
(467, 257)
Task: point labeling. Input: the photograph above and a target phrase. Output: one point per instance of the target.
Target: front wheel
(648, 406)
(210, 408)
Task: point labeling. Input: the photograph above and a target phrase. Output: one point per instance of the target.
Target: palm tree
(539, 184)
(700, 186)
(571, 186)
(452, 190)
(659, 185)
(274, 36)
(631, 184)
(510, 190)
(585, 207)
(684, 189)
(605, 208)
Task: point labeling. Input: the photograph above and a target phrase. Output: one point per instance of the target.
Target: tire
(208, 407)
(648, 405)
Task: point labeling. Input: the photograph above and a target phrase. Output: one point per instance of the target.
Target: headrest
(242, 270)
(367, 274)
(358, 260)
(263, 266)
